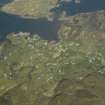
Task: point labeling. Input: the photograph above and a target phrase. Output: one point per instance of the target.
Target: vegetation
(36, 65)
(71, 71)
(30, 8)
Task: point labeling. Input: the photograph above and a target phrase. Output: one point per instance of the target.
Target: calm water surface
(46, 29)
(72, 8)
